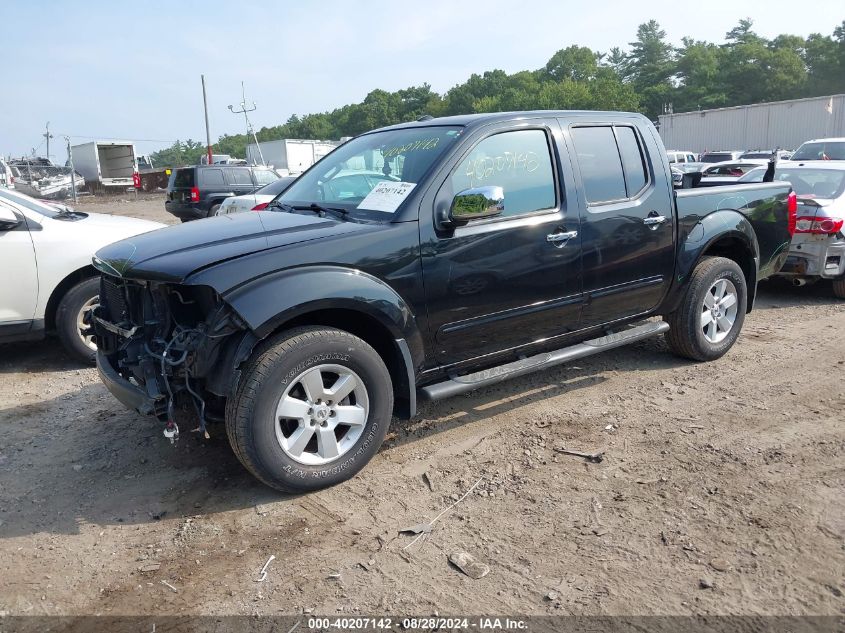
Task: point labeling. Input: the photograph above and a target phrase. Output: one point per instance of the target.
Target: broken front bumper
(130, 395)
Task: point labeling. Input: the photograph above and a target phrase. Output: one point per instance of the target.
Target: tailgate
(763, 204)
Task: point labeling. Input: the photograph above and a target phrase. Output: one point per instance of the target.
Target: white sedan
(256, 201)
(49, 282)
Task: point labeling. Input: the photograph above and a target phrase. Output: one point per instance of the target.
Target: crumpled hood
(173, 253)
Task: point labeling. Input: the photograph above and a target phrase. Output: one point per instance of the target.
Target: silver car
(818, 246)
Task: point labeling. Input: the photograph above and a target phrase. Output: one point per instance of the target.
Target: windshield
(814, 183)
(346, 177)
(716, 158)
(30, 203)
(820, 150)
(755, 175)
(276, 187)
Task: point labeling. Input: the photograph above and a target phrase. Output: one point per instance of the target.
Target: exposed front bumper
(130, 395)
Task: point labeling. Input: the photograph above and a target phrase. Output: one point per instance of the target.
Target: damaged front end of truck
(160, 346)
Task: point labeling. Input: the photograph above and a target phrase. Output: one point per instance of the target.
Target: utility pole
(207, 133)
(48, 136)
(249, 128)
(72, 172)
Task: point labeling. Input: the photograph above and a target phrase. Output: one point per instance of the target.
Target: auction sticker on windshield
(387, 196)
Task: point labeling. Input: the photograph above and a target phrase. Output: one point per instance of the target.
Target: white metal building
(289, 155)
(784, 124)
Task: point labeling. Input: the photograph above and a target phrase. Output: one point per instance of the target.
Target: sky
(131, 70)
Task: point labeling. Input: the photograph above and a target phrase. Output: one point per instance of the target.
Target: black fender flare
(266, 303)
(703, 237)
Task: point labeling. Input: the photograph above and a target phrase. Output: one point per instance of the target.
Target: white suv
(49, 283)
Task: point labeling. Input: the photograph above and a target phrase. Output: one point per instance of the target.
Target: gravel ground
(721, 491)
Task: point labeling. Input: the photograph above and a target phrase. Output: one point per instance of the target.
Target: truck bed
(763, 204)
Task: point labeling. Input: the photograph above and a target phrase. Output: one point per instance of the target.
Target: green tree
(650, 66)
(699, 76)
(746, 68)
(576, 63)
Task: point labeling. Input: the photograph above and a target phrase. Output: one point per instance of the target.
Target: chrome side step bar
(468, 382)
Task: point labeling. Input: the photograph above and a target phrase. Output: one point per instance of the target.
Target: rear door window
(238, 176)
(212, 178)
(600, 163)
(633, 163)
(264, 176)
(612, 162)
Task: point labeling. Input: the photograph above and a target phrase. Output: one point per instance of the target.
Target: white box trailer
(289, 155)
(106, 163)
(765, 126)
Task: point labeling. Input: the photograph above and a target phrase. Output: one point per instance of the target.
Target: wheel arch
(711, 237)
(332, 296)
(86, 272)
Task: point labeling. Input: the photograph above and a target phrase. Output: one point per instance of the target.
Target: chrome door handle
(560, 239)
(654, 220)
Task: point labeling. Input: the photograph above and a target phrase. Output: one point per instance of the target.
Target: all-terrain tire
(839, 288)
(686, 335)
(251, 422)
(212, 212)
(67, 315)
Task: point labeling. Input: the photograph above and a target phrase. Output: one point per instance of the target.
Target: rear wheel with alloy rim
(312, 408)
(708, 321)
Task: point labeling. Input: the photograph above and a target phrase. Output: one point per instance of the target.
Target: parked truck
(150, 176)
(289, 157)
(492, 245)
(106, 164)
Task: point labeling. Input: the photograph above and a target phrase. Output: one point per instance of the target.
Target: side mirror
(477, 203)
(8, 220)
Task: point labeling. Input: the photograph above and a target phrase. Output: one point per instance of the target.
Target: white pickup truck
(49, 283)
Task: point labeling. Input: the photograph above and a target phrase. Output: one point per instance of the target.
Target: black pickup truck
(426, 260)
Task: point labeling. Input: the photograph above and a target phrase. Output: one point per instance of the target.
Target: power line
(107, 138)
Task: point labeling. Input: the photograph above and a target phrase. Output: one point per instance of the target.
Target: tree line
(650, 76)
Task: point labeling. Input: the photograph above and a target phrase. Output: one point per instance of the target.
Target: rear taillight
(260, 207)
(136, 180)
(195, 194)
(818, 225)
(792, 210)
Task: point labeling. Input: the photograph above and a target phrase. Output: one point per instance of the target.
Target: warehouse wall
(784, 124)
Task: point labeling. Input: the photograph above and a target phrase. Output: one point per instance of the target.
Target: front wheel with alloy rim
(312, 409)
(71, 316)
(708, 321)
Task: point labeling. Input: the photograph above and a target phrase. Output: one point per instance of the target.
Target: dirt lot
(731, 473)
